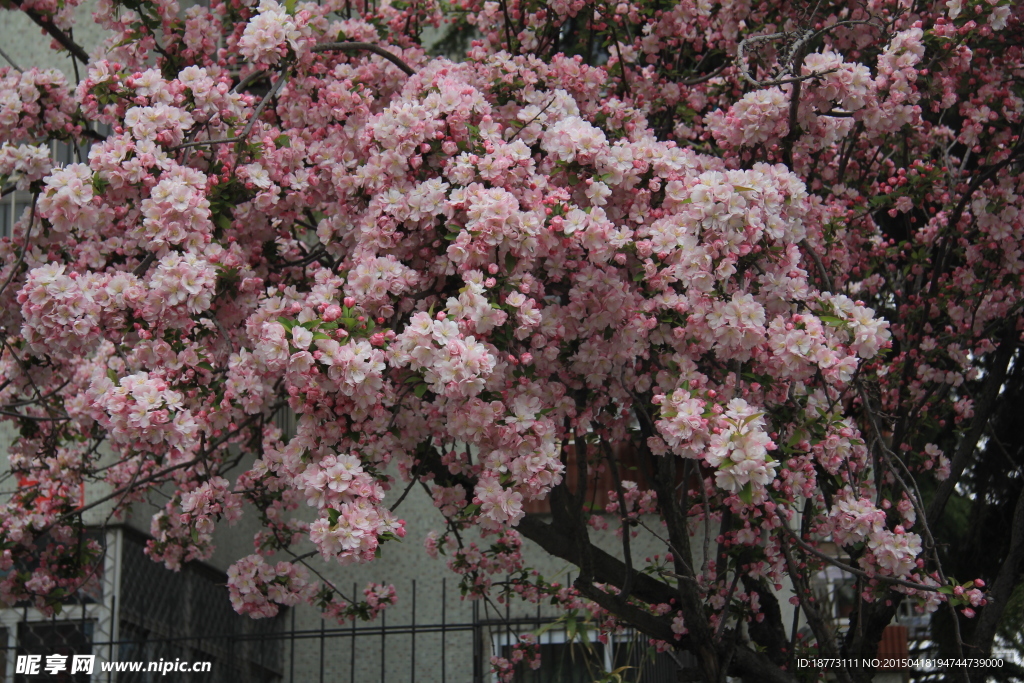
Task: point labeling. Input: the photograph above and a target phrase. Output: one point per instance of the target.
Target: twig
(527, 124)
(821, 266)
(9, 60)
(249, 80)
(34, 418)
(405, 493)
(141, 269)
(705, 77)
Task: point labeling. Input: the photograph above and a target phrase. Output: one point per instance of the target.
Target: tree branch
(76, 50)
(982, 411)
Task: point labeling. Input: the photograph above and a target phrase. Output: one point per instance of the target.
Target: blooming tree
(775, 248)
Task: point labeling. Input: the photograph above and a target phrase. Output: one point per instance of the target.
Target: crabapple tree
(771, 249)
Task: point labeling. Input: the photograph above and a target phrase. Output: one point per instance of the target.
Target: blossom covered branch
(787, 285)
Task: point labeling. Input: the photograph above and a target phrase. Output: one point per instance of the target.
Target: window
(11, 209)
(599, 477)
(66, 638)
(837, 590)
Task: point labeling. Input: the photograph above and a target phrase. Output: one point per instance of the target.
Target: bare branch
(9, 60)
(365, 47)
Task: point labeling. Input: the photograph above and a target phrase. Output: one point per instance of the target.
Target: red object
(893, 646)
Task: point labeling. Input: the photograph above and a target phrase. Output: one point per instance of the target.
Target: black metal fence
(282, 652)
(431, 636)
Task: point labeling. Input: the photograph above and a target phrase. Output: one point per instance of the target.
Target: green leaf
(288, 324)
(740, 188)
(333, 515)
(282, 141)
(584, 638)
(831, 320)
(112, 375)
(545, 628)
(570, 627)
(223, 221)
(420, 390)
(205, 365)
(746, 493)
(510, 262)
(320, 335)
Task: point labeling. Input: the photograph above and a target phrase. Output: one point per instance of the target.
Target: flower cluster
(23, 164)
(257, 588)
(452, 363)
(739, 449)
(636, 501)
(891, 553)
(143, 412)
(35, 104)
(269, 34)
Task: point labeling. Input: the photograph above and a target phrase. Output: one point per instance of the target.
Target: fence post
(444, 628)
(508, 624)
(110, 645)
(412, 659)
(478, 644)
(352, 656)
